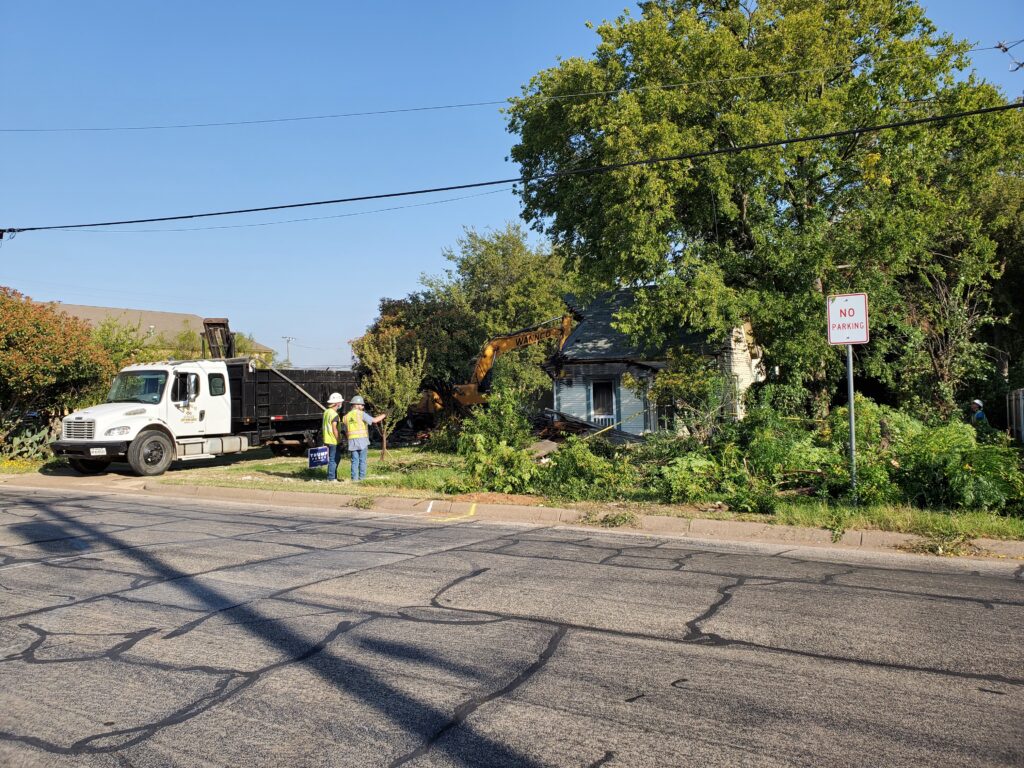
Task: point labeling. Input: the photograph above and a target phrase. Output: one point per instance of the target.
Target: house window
(604, 398)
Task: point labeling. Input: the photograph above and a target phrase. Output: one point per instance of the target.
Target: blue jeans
(333, 454)
(359, 463)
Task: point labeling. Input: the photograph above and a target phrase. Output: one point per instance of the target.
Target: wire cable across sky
(527, 180)
(297, 221)
(1004, 47)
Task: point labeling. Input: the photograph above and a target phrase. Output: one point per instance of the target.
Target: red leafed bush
(48, 360)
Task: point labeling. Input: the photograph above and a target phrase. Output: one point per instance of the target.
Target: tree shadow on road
(426, 723)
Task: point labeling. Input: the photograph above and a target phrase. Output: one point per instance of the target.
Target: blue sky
(129, 63)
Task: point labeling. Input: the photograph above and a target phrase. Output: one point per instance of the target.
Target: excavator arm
(469, 393)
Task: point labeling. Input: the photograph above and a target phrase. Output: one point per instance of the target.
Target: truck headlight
(115, 431)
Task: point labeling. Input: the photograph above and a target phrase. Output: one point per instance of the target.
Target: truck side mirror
(193, 386)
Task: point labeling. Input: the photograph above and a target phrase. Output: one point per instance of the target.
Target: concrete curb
(445, 510)
(737, 530)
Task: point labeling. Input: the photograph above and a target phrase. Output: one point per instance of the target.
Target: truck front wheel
(88, 466)
(151, 453)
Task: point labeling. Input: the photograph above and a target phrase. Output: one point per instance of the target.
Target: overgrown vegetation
(493, 442)
(754, 465)
(420, 473)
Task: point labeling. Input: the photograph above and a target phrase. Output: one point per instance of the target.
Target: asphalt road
(148, 632)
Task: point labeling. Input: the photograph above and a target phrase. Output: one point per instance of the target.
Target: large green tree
(1002, 207)
(498, 283)
(766, 234)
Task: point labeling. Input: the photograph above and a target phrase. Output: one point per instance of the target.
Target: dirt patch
(501, 498)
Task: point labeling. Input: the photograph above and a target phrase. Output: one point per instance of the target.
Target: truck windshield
(138, 387)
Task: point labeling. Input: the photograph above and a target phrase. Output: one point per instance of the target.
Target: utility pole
(288, 351)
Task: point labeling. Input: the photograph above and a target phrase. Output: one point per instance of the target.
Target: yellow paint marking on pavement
(472, 511)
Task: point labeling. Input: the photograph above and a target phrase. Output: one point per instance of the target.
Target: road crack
(467, 708)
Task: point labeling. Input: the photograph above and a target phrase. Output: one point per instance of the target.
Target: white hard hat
(978, 403)
(357, 400)
(335, 398)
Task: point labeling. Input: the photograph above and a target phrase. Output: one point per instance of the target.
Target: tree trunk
(821, 395)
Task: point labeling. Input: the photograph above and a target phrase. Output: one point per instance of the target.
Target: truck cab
(153, 414)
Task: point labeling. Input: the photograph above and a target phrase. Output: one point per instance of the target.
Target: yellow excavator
(469, 393)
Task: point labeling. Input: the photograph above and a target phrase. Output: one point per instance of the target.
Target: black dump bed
(267, 407)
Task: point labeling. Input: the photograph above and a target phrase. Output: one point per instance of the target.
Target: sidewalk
(443, 510)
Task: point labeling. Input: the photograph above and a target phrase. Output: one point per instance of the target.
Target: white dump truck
(196, 409)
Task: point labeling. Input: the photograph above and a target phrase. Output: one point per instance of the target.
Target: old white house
(588, 371)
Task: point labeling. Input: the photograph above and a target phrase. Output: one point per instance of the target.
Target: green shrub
(788, 399)
(753, 496)
(874, 480)
(599, 446)
(500, 467)
(785, 457)
(457, 485)
(946, 467)
(660, 448)
(880, 433)
(493, 440)
(29, 441)
(444, 438)
(785, 452)
(692, 477)
(879, 428)
(575, 473)
(502, 420)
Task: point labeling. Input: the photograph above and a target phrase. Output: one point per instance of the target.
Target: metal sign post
(848, 324)
(853, 431)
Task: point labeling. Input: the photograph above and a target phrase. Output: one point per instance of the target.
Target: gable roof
(161, 323)
(595, 340)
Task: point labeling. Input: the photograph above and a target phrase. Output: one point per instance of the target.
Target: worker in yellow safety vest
(357, 428)
(332, 436)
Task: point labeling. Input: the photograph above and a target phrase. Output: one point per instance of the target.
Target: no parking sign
(848, 319)
(848, 324)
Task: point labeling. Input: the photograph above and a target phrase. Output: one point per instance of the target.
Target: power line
(293, 221)
(471, 104)
(1015, 66)
(541, 177)
(267, 121)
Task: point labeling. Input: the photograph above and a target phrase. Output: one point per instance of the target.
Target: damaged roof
(595, 340)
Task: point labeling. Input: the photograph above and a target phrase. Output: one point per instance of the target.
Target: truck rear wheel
(151, 453)
(88, 466)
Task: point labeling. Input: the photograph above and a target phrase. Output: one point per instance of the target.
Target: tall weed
(575, 473)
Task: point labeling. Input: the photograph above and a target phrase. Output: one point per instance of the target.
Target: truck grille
(79, 430)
